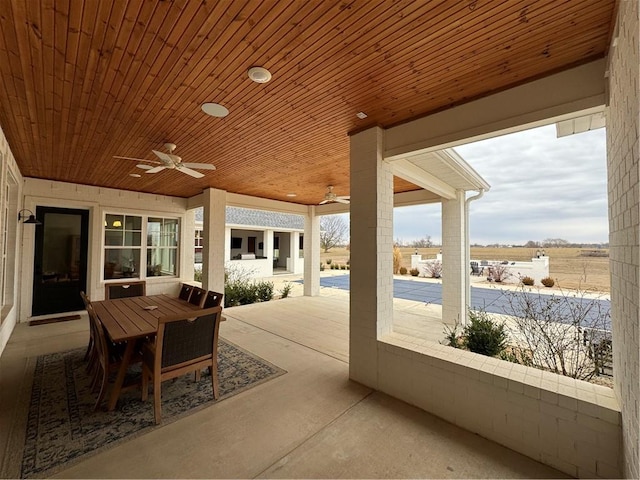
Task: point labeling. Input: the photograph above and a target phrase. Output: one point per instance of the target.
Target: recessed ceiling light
(259, 74)
(291, 194)
(361, 115)
(135, 175)
(215, 109)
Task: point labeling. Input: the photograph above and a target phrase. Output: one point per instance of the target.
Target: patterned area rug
(62, 428)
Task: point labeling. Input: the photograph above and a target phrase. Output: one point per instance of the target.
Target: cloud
(541, 187)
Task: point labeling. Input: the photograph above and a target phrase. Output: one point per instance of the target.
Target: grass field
(567, 266)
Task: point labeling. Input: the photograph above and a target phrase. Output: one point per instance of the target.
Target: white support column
(311, 249)
(268, 248)
(371, 298)
(293, 251)
(455, 272)
(213, 232)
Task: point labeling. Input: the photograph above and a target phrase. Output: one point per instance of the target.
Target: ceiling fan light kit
(171, 162)
(259, 74)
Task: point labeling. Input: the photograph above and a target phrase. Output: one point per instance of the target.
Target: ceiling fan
(171, 161)
(330, 197)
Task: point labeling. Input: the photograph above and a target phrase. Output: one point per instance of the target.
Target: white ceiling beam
(540, 102)
(412, 173)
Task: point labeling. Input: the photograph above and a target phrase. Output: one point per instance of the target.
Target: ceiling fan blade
(165, 157)
(136, 159)
(344, 197)
(145, 167)
(201, 166)
(342, 200)
(323, 202)
(188, 171)
(156, 169)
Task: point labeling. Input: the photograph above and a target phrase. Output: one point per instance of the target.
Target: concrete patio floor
(312, 422)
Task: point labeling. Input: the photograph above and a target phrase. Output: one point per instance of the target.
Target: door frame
(27, 253)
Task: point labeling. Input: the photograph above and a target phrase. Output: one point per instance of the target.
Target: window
(125, 254)
(162, 246)
(122, 246)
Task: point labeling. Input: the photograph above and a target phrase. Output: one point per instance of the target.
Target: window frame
(142, 247)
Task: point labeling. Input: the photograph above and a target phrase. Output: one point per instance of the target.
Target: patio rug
(62, 428)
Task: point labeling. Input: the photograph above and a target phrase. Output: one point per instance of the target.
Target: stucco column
(371, 211)
(311, 250)
(455, 272)
(213, 232)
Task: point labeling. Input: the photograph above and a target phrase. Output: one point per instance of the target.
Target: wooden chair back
(125, 289)
(85, 299)
(182, 345)
(212, 299)
(197, 296)
(185, 292)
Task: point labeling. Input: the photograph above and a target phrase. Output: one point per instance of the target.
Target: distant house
(262, 242)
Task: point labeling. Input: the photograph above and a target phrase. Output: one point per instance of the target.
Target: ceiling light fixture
(259, 74)
(215, 110)
(361, 115)
(291, 194)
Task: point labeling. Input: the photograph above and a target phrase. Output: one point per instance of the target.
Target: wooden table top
(126, 318)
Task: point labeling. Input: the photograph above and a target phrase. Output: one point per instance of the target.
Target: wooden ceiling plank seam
(238, 92)
(17, 130)
(107, 54)
(71, 98)
(311, 78)
(199, 33)
(126, 25)
(172, 34)
(94, 35)
(150, 113)
(60, 20)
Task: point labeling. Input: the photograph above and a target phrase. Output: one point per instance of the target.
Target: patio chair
(90, 345)
(182, 345)
(185, 292)
(475, 269)
(125, 290)
(197, 296)
(108, 356)
(212, 299)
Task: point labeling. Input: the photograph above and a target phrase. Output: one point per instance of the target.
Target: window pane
(114, 222)
(113, 237)
(121, 263)
(170, 237)
(161, 261)
(133, 223)
(132, 239)
(154, 227)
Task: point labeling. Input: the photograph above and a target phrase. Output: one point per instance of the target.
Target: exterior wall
(98, 201)
(8, 167)
(622, 170)
(571, 425)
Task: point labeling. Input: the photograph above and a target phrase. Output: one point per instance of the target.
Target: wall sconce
(31, 219)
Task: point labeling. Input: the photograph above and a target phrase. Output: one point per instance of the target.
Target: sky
(541, 187)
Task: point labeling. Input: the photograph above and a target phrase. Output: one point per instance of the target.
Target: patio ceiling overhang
(83, 81)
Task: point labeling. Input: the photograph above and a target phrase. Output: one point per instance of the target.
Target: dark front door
(251, 244)
(60, 263)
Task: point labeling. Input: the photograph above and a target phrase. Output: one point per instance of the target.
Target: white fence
(537, 268)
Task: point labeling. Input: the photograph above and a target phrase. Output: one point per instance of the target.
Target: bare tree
(555, 242)
(423, 242)
(333, 231)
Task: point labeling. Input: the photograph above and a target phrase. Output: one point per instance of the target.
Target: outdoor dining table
(129, 319)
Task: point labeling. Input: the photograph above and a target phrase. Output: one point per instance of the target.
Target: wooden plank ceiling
(81, 81)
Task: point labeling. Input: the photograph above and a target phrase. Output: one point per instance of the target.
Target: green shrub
(548, 282)
(264, 291)
(403, 270)
(329, 261)
(286, 289)
(527, 281)
(321, 267)
(481, 335)
(414, 272)
(197, 274)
